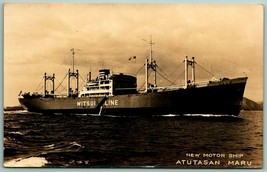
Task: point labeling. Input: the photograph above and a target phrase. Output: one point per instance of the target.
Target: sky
(226, 40)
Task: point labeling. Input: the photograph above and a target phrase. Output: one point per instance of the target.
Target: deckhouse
(107, 84)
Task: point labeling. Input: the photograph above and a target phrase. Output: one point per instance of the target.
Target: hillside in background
(250, 105)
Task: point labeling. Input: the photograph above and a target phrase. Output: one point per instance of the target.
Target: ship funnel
(103, 73)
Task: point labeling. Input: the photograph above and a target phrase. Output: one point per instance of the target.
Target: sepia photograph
(133, 85)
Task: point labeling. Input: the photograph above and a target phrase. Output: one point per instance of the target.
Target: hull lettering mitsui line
(117, 94)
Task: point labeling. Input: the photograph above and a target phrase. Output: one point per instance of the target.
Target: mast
(51, 78)
(186, 72)
(155, 77)
(146, 75)
(45, 85)
(193, 70)
(151, 52)
(150, 64)
(192, 64)
(74, 75)
(72, 59)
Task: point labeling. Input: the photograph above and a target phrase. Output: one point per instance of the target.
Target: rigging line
(179, 76)
(64, 88)
(162, 71)
(204, 69)
(141, 86)
(38, 89)
(145, 82)
(83, 80)
(175, 69)
(139, 70)
(60, 84)
(165, 78)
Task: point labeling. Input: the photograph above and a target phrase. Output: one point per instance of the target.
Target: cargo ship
(117, 94)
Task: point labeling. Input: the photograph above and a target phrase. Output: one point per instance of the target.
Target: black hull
(215, 98)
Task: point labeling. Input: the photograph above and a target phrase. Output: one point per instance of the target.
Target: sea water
(169, 141)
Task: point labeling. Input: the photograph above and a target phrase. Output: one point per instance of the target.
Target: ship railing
(61, 95)
(176, 87)
(101, 86)
(161, 89)
(201, 84)
(96, 95)
(170, 88)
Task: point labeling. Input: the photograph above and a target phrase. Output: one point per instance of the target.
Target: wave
(209, 115)
(75, 144)
(88, 114)
(26, 162)
(170, 115)
(50, 146)
(16, 133)
(63, 147)
(21, 112)
(16, 112)
(197, 115)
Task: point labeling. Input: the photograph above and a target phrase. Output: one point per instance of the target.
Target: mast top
(72, 59)
(151, 50)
